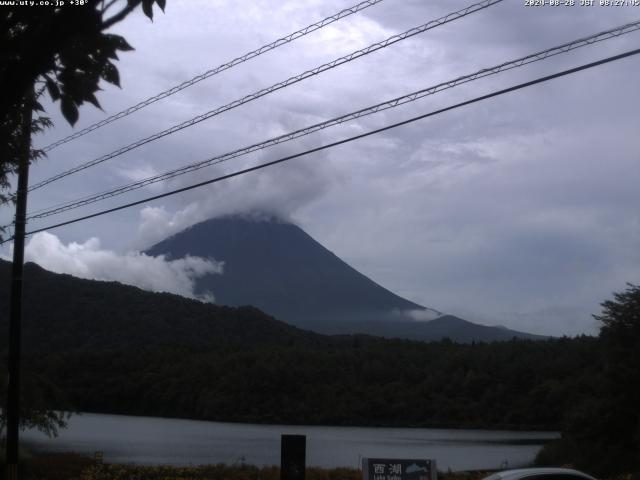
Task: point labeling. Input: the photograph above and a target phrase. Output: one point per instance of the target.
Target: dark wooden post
(293, 449)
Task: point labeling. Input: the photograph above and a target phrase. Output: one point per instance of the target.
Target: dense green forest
(348, 381)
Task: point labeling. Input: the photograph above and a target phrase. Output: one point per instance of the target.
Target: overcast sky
(520, 211)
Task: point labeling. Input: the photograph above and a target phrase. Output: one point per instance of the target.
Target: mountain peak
(276, 266)
(256, 216)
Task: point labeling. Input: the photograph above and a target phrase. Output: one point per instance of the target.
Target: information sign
(398, 469)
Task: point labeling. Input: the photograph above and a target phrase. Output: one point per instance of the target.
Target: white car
(540, 474)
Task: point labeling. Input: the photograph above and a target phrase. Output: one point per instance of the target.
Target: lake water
(157, 441)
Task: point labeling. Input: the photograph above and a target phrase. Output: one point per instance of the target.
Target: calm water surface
(156, 441)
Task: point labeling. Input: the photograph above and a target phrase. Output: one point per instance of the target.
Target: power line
(265, 91)
(214, 71)
(346, 140)
(538, 56)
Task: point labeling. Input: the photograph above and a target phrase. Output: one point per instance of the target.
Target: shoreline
(535, 429)
(74, 466)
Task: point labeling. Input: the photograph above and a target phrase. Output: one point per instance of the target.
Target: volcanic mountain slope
(280, 269)
(277, 267)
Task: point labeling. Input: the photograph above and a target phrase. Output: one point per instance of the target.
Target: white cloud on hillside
(89, 260)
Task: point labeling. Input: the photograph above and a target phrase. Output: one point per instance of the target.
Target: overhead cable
(214, 71)
(340, 142)
(280, 85)
(395, 102)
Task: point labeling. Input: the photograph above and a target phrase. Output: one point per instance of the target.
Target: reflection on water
(154, 441)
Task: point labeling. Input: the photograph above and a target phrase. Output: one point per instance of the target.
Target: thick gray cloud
(518, 211)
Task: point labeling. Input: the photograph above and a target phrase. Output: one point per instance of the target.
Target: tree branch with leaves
(66, 50)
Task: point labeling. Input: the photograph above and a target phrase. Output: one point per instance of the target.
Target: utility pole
(15, 306)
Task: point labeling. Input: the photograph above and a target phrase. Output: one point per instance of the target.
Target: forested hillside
(106, 347)
(62, 312)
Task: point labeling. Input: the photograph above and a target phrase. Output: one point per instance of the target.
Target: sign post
(398, 469)
(293, 457)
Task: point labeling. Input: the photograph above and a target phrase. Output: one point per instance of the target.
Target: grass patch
(208, 472)
(57, 466)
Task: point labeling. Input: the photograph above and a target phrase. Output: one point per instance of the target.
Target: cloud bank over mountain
(89, 260)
